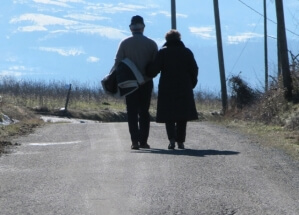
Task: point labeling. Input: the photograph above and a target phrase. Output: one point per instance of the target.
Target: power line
(245, 46)
(251, 8)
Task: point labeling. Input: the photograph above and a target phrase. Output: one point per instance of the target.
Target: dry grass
(269, 135)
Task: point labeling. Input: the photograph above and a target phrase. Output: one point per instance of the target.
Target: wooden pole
(67, 98)
(173, 15)
(266, 45)
(283, 51)
(220, 57)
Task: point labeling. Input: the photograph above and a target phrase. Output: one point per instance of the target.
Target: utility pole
(67, 98)
(173, 15)
(220, 57)
(266, 45)
(282, 51)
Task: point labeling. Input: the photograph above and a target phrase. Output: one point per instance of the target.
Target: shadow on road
(187, 152)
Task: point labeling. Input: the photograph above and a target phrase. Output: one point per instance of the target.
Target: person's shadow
(187, 152)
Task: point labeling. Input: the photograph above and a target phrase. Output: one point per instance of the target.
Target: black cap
(137, 20)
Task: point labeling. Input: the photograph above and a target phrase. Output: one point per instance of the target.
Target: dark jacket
(128, 77)
(123, 79)
(177, 79)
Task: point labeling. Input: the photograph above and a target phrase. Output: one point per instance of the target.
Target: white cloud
(32, 28)
(92, 59)
(61, 3)
(165, 13)
(74, 22)
(41, 20)
(63, 51)
(86, 17)
(203, 32)
(168, 14)
(10, 73)
(103, 31)
(130, 7)
(18, 68)
(20, 1)
(15, 71)
(244, 37)
(56, 3)
(182, 15)
(114, 8)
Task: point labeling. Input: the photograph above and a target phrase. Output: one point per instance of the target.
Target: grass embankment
(269, 135)
(21, 122)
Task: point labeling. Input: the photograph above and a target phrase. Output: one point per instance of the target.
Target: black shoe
(144, 146)
(135, 146)
(181, 146)
(171, 145)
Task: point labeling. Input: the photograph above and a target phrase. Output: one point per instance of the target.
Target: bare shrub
(270, 107)
(241, 93)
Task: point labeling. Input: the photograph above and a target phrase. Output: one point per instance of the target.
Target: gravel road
(88, 168)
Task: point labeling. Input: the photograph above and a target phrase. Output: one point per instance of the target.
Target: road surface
(88, 168)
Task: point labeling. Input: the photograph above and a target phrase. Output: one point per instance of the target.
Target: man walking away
(141, 51)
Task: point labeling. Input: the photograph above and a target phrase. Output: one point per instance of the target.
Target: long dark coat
(177, 79)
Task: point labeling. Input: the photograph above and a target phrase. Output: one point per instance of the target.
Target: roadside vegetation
(266, 116)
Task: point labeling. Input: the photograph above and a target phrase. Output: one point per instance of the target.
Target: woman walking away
(178, 78)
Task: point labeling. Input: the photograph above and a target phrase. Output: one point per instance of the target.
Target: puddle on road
(54, 143)
(54, 119)
(11, 148)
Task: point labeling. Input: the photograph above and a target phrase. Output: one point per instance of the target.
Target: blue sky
(76, 40)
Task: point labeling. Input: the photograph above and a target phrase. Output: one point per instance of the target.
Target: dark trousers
(138, 104)
(176, 130)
